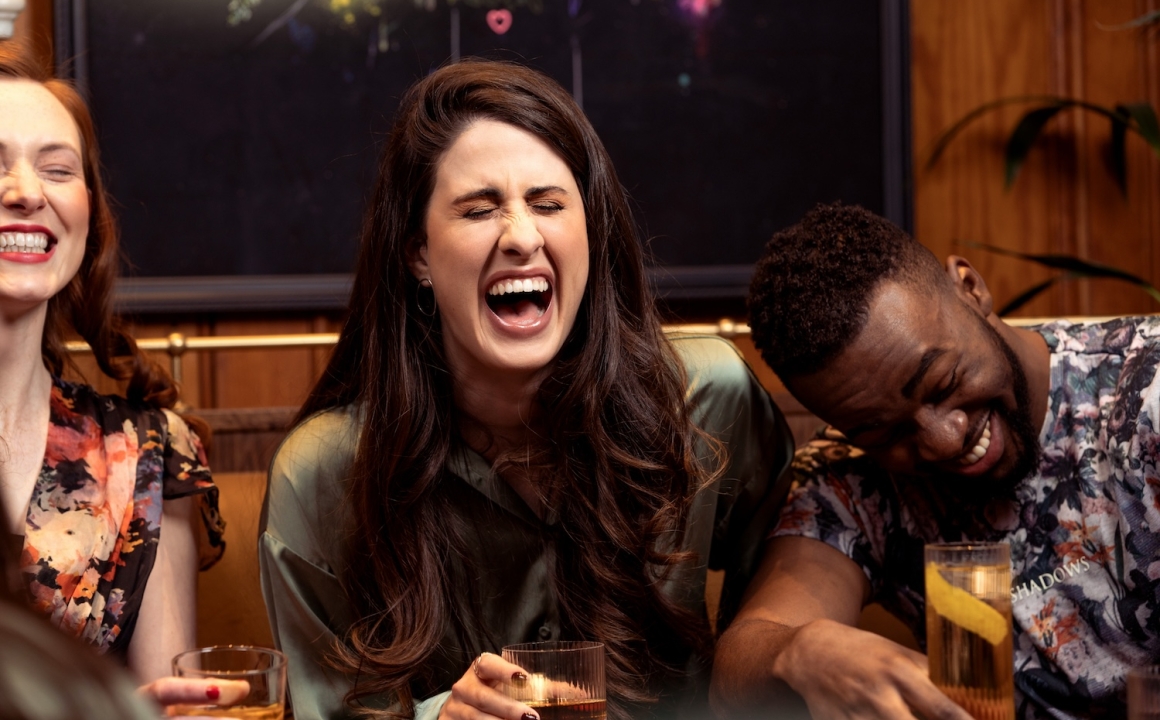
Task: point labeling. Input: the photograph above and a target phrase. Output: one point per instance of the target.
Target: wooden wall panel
(1113, 69)
(279, 377)
(260, 378)
(1148, 55)
(965, 54)
(230, 609)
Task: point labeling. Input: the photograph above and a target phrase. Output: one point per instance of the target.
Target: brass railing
(177, 344)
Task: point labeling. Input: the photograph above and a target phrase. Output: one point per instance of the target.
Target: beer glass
(263, 668)
(565, 679)
(968, 626)
(1144, 693)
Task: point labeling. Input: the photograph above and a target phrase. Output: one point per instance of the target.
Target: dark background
(231, 158)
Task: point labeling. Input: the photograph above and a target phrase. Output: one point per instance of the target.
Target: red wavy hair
(85, 304)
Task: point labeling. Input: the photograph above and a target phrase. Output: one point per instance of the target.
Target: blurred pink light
(699, 8)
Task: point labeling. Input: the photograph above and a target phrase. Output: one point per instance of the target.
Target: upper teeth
(518, 286)
(34, 242)
(976, 454)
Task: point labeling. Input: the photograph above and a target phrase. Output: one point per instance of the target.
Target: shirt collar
(476, 471)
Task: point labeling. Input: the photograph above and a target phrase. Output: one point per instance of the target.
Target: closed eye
(60, 173)
(943, 394)
(478, 213)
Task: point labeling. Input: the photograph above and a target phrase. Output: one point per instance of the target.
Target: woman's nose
(21, 190)
(521, 237)
(941, 434)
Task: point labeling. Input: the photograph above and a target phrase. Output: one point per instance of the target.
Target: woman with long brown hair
(100, 490)
(505, 447)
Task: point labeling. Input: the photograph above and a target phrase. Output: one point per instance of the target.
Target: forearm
(167, 621)
(747, 670)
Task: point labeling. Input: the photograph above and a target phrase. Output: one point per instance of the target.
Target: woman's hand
(475, 695)
(843, 672)
(174, 691)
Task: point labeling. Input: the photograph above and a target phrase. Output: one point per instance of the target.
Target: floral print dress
(1084, 528)
(94, 520)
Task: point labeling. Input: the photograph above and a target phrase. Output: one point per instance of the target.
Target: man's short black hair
(810, 293)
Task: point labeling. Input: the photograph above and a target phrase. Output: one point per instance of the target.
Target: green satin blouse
(300, 542)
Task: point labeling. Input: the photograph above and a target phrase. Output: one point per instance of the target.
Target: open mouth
(981, 445)
(33, 243)
(520, 301)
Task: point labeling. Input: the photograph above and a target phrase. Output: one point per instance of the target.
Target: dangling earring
(421, 300)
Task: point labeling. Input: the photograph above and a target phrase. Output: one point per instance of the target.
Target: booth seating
(230, 609)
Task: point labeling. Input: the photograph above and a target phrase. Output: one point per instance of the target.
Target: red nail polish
(528, 716)
(519, 677)
(212, 692)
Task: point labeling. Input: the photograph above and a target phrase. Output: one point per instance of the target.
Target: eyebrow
(928, 359)
(51, 147)
(490, 193)
(544, 190)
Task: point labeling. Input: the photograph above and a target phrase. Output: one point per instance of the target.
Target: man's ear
(417, 259)
(969, 285)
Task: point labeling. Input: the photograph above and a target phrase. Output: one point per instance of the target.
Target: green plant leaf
(1027, 296)
(1024, 136)
(1074, 266)
(1151, 18)
(1118, 155)
(1054, 101)
(940, 143)
(1147, 126)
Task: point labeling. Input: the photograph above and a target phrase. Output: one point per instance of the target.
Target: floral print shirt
(94, 520)
(1084, 529)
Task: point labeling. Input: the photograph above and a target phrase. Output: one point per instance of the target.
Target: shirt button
(545, 632)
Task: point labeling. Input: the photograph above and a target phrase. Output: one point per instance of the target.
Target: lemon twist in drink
(963, 609)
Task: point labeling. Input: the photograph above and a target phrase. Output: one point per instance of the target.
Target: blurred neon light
(698, 8)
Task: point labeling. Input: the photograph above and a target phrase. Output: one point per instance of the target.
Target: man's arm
(795, 635)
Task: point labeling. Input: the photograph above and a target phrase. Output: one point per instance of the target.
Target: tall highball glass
(968, 626)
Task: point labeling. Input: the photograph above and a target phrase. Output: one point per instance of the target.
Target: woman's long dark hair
(613, 422)
(85, 304)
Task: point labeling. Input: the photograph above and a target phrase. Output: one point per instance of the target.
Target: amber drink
(263, 668)
(565, 680)
(1144, 693)
(968, 626)
(269, 712)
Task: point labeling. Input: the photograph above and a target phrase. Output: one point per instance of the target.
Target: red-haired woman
(102, 492)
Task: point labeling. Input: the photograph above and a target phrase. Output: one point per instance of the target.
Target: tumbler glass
(968, 626)
(565, 679)
(263, 668)
(1144, 693)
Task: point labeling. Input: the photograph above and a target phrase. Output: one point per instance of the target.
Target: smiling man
(946, 424)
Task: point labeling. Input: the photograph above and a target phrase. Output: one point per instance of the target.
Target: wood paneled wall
(227, 379)
(963, 54)
(1064, 201)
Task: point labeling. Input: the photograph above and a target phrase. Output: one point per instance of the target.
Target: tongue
(521, 312)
